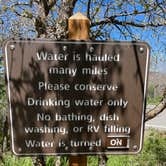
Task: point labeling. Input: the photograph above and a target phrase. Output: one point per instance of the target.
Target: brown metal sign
(70, 97)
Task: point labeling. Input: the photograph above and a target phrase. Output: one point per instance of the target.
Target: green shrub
(64, 161)
(151, 91)
(50, 161)
(151, 99)
(93, 160)
(154, 101)
(11, 160)
(120, 160)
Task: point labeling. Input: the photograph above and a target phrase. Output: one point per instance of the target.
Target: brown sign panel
(69, 97)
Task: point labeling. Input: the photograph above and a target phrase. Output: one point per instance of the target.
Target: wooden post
(78, 160)
(78, 27)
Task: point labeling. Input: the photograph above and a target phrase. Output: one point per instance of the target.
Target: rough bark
(59, 29)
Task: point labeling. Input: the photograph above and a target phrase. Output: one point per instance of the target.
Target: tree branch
(73, 2)
(88, 9)
(52, 3)
(45, 6)
(24, 14)
(120, 30)
(158, 109)
(112, 20)
(96, 10)
(66, 9)
(19, 4)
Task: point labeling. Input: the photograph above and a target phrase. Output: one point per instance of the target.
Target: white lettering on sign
(116, 129)
(74, 117)
(119, 102)
(48, 102)
(78, 129)
(85, 143)
(116, 142)
(94, 71)
(90, 102)
(37, 144)
(61, 143)
(51, 57)
(93, 129)
(63, 71)
(105, 58)
(46, 129)
(95, 87)
(106, 117)
(53, 87)
(43, 117)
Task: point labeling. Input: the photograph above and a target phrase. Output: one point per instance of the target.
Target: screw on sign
(12, 47)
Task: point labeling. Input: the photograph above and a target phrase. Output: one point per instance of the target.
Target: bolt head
(91, 49)
(19, 149)
(12, 47)
(141, 49)
(135, 147)
(64, 48)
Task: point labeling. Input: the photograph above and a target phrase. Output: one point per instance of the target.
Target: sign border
(79, 42)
